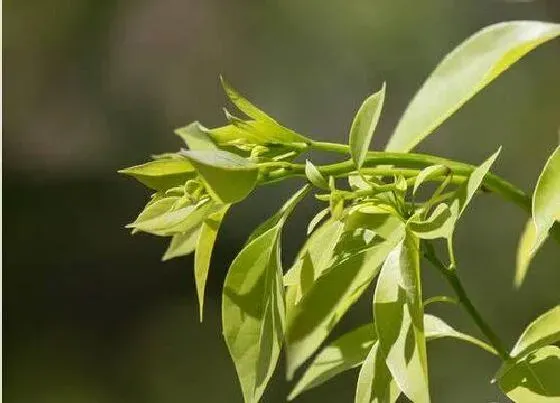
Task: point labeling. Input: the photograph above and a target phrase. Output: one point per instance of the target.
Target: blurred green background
(90, 86)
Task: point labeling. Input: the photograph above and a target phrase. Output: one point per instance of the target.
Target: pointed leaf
(542, 331)
(546, 198)
(526, 250)
(196, 137)
(317, 219)
(162, 174)
(375, 384)
(535, 378)
(203, 254)
(399, 319)
(182, 244)
(311, 321)
(230, 178)
(428, 173)
(346, 352)
(465, 71)
(314, 176)
(364, 125)
(252, 313)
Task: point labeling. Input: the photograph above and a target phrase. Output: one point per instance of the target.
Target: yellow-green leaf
(162, 174)
(314, 176)
(364, 125)
(464, 72)
(196, 137)
(203, 254)
(182, 244)
(542, 331)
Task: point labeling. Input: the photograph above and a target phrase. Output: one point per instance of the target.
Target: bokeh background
(90, 86)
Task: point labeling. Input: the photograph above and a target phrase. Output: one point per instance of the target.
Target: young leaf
(182, 244)
(375, 384)
(439, 225)
(229, 177)
(332, 294)
(535, 378)
(253, 312)
(204, 246)
(435, 328)
(317, 219)
(156, 207)
(465, 71)
(546, 198)
(364, 125)
(162, 174)
(314, 176)
(431, 172)
(526, 249)
(196, 137)
(399, 319)
(542, 331)
(346, 352)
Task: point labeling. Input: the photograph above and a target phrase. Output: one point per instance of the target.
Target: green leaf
(546, 198)
(526, 250)
(439, 225)
(535, 378)
(182, 244)
(381, 219)
(332, 294)
(162, 174)
(346, 352)
(229, 177)
(253, 312)
(428, 173)
(155, 208)
(364, 125)
(375, 384)
(177, 221)
(203, 254)
(435, 328)
(196, 137)
(464, 72)
(314, 176)
(317, 219)
(399, 319)
(267, 125)
(542, 331)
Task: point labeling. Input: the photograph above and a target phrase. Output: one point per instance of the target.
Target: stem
(453, 280)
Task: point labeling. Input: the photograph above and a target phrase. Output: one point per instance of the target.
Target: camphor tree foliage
(373, 227)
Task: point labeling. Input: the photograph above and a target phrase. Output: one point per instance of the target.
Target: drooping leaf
(466, 70)
(252, 313)
(546, 198)
(204, 246)
(316, 220)
(332, 294)
(182, 244)
(526, 250)
(346, 352)
(375, 384)
(229, 177)
(534, 378)
(314, 176)
(542, 331)
(196, 137)
(364, 125)
(435, 328)
(433, 171)
(399, 319)
(162, 174)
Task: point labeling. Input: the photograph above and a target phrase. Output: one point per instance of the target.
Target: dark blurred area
(91, 86)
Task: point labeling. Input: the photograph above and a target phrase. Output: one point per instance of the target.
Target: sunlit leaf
(364, 125)
(331, 295)
(375, 384)
(204, 246)
(182, 244)
(162, 174)
(465, 71)
(542, 331)
(346, 352)
(314, 176)
(155, 208)
(230, 178)
(317, 218)
(440, 224)
(546, 198)
(526, 250)
(196, 137)
(399, 319)
(428, 173)
(534, 378)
